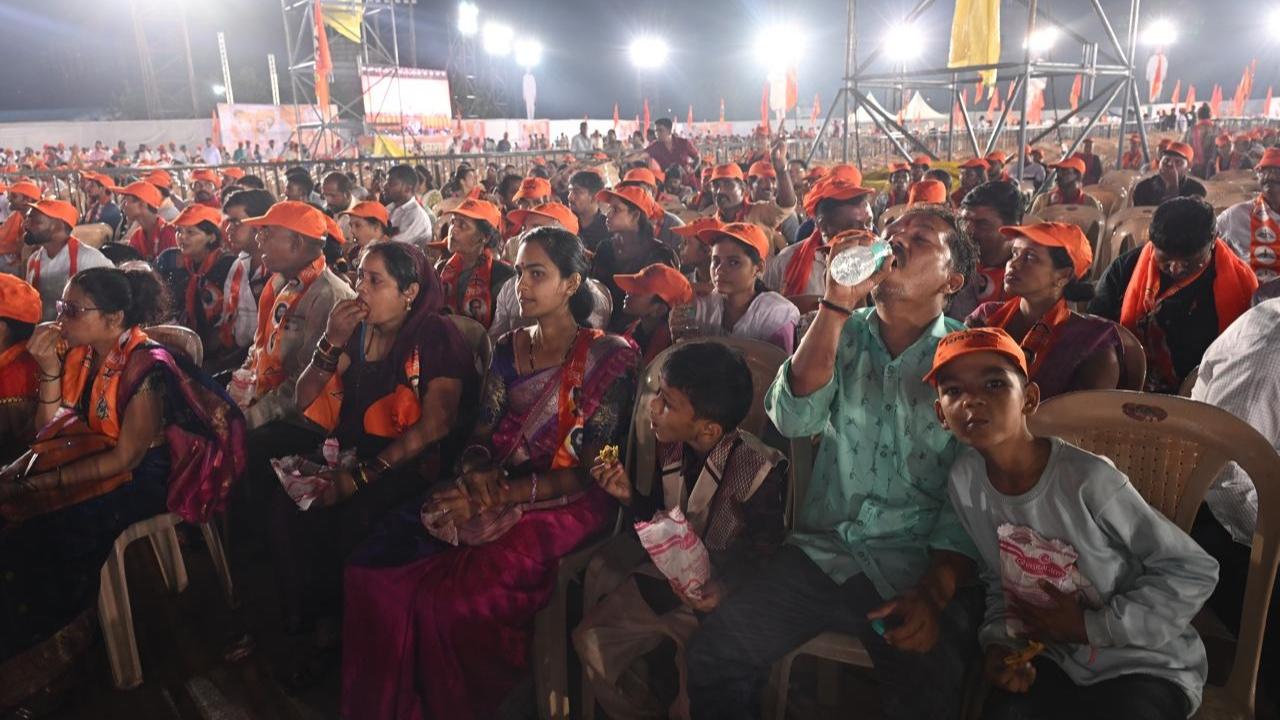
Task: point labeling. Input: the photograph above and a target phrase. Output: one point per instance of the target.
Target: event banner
(258, 124)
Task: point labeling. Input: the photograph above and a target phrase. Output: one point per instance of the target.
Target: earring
(407, 305)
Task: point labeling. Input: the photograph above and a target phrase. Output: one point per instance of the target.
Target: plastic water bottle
(860, 262)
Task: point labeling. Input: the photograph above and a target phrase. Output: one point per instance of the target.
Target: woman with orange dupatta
(1066, 351)
(1178, 292)
(437, 630)
(174, 443)
(473, 274)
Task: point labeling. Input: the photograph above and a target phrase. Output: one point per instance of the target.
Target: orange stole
(389, 416)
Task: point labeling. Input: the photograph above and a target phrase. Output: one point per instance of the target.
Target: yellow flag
(975, 36)
(343, 17)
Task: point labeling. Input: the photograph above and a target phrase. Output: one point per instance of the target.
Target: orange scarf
(195, 276)
(388, 417)
(11, 234)
(1233, 286)
(1132, 160)
(103, 411)
(990, 283)
(274, 308)
(795, 278)
(17, 374)
(73, 256)
(1039, 340)
(150, 245)
(569, 415)
(1263, 233)
(1057, 198)
(477, 289)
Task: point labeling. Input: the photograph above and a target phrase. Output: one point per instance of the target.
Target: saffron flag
(1156, 69)
(764, 109)
(1076, 87)
(645, 128)
(975, 36)
(324, 63)
(615, 116)
(1177, 92)
(902, 111)
(1012, 88)
(793, 90)
(978, 87)
(721, 110)
(690, 118)
(817, 108)
(1215, 101)
(993, 106)
(1191, 98)
(1035, 107)
(957, 114)
(1266, 104)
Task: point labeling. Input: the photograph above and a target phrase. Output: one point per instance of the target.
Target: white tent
(918, 110)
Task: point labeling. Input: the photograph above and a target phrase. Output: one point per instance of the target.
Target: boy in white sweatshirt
(1117, 635)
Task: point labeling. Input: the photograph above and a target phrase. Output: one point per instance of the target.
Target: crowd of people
(407, 399)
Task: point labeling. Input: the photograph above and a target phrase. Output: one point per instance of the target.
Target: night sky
(60, 54)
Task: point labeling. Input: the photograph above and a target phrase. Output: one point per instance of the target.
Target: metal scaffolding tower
(1115, 75)
(164, 59)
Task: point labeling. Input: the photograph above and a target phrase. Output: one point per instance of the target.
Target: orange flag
(690, 119)
(793, 90)
(817, 108)
(645, 129)
(1009, 97)
(1076, 86)
(978, 87)
(615, 116)
(721, 110)
(1177, 90)
(1266, 104)
(957, 113)
(1191, 97)
(1215, 101)
(324, 63)
(993, 106)
(764, 109)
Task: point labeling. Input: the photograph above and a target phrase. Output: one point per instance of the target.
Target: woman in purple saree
(438, 631)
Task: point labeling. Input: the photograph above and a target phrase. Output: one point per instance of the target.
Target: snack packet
(1026, 559)
(677, 551)
(302, 479)
(242, 387)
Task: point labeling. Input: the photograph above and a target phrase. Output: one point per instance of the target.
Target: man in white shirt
(210, 153)
(336, 189)
(60, 256)
(1252, 227)
(581, 143)
(248, 276)
(412, 222)
(1240, 373)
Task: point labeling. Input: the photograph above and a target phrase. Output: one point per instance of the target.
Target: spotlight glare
(648, 51)
(1160, 33)
(528, 53)
(902, 42)
(468, 19)
(497, 38)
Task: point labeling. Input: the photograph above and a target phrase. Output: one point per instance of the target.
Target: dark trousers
(252, 499)
(791, 601)
(1054, 696)
(1227, 601)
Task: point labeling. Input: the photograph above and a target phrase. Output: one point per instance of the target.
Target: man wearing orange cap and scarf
(1178, 292)
(837, 205)
(1252, 228)
(1239, 157)
(22, 195)
(730, 190)
(973, 172)
(1132, 158)
(205, 184)
(1070, 187)
(899, 190)
(140, 202)
(996, 161)
(762, 183)
(1172, 179)
(60, 256)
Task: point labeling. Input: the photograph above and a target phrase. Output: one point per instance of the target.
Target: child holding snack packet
(1077, 565)
(718, 482)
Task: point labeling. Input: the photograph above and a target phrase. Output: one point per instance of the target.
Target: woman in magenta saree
(437, 631)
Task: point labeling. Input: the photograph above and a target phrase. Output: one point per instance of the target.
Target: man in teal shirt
(877, 550)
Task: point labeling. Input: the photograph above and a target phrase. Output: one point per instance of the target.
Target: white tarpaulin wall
(133, 132)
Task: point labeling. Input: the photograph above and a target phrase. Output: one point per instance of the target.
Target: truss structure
(344, 122)
(163, 42)
(476, 84)
(1106, 63)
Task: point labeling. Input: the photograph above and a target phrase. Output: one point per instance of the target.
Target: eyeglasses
(71, 311)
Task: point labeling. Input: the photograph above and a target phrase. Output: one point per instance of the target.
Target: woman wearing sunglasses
(174, 443)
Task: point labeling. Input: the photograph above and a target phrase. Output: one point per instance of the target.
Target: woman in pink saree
(434, 630)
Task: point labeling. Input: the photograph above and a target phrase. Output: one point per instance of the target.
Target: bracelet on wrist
(47, 378)
(327, 347)
(840, 309)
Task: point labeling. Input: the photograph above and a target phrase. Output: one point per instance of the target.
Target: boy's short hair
(716, 380)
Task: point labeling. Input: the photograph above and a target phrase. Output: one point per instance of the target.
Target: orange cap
(234, 173)
(926, 192)
(692, 229)
(370, 210)
(899, 167)
(984, 339)
(997, 156)
(294, 215)
(554, 210)
(1182, 149)
(19, 301)
(103, 180)
(26, 189)
(1270, 159)
(159, 178)
(831, 188)
(847, 173)
(749, 234)
(728, 171)
(206, 175)
(1164, 143)
(532, 189)
(1056, 234)
(658, 279)
(922, 160)
(761, 168)
(817, 172)
(1222, 140)
(331, 227)
(195, 213)
(641, 175)
(58, 210)
(635, 197)
(144, 191)
(1071, 163)
(974, 164)
(479, 210)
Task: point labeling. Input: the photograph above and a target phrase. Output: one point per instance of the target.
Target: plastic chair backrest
(1086, 217)
(763, 358)
(1184, 390)
(1236, 176)
(180, 339)
(1133, 364)
(1111, 197)
(1124, 179)
(1172, 449)
(478, 340)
